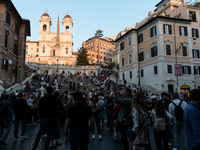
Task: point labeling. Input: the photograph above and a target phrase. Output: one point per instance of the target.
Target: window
(130, 74)
(43, 50)
(142, 73)
(196, 70)
(93, 55)
(129, 41)
(15, 49)
(5, 64)
(186, 69)
(154, 51)
(184, 49)
(8, 18)
(167, 29)
(129, 57)
(192, 16)
(168, 49)
(37, 50)
(67, 28)
(169, 68)
(44, 27)
(123, 61)
(6, 40)
(123, 76)
(37, 44)
(195, 53)
(140, 38)
(14, 69)
(153, 31)
(183, 31)
(16, 28)
(141, 56)
(147, 55)
(195, 33)
(122, 46)
(66, 51)
(155, 70)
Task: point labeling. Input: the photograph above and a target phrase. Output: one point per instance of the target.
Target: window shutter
(197, 33)
(193, 53)
(192, 32)
(155, 31)
(183, 69)
(156, 52)
(197, 53)
(170, 29)
(179, 29)
(152, 52)
(6, 65)
(199, 70)
(164, 28)
(194, 70)
(189, 69)
(186, 33)
(151, 32)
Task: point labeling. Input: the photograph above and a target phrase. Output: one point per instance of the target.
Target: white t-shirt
(30, 102)
(154, 117)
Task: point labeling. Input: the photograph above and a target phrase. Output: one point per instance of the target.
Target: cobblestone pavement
(106, 144)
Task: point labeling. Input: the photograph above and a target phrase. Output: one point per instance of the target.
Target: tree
(111, 64)
(82, 57)
(99, 34)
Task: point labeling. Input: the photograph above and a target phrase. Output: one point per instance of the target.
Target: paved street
(106, 144)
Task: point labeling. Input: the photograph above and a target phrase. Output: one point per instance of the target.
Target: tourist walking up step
(176, 109)
(78, 117)
(192, 121)
(48, 107)
(5, 119)
(20, 107)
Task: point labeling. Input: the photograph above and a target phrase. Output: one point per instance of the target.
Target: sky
(111, 16)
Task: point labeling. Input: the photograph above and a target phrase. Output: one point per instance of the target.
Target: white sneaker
(93, 136)
(175, 149)
(100, 137)
(23, 137)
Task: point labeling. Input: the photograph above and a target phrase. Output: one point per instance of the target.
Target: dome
(68, 16)
(45, 14)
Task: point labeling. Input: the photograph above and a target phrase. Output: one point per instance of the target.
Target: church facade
(52, 47)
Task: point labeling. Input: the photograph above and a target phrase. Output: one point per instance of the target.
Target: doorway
(170, 89)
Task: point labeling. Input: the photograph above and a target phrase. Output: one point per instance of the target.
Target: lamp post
(38, 62)
(20, 68)
(57, 65)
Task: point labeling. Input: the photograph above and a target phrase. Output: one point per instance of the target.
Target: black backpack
(178, 112)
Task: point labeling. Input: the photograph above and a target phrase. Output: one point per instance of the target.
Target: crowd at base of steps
(82, 108)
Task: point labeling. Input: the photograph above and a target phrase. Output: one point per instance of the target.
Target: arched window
(44, 27)
(67, 28)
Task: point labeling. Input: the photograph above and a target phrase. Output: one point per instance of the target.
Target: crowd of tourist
(90, 102)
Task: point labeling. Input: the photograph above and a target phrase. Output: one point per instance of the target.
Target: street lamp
(57, 65)
(38, 62)
(20, 68)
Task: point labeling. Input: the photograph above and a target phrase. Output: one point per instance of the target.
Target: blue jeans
(79, 140)
(46, 126)
(178, 126)
(18, 118)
